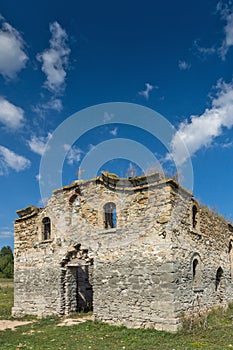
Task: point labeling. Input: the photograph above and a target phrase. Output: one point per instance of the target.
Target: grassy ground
(44, 334)
(6, 297)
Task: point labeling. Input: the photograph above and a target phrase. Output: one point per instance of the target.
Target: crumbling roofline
(27, 212)
(137, 183)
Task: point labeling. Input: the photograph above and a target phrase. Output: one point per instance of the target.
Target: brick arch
(76, 254)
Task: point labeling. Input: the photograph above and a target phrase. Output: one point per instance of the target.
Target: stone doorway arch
(76, 281)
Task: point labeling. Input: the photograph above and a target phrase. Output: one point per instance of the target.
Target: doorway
(76, 283)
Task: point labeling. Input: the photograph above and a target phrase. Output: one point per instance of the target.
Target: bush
(6, 262)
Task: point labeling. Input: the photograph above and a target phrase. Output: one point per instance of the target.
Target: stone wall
(198, 254)
(136, 288)
(139, 273)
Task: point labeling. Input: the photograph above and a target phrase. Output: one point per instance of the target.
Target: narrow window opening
(46, 228)
(110, 215)
(230, 252)
(194, 216)
(230, 247)
(218, 278)
(195, 263)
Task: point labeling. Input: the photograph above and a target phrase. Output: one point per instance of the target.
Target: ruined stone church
(138, 251)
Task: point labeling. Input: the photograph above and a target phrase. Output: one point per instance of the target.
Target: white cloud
(53, 104)
(38, 144)
(73, 154)
(183, 65)
(55, 59)
(202, 130)
(204, 51)
(6, 232)
(114, 131)
(10, 115)
(145, 93)
(38, 177)
(131, 171)
(108, 117)
(9, 159)
(227, 15)
(12, 51)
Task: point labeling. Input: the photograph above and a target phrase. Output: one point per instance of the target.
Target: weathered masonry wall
(138, 289)
(138, 252)
(203, 258)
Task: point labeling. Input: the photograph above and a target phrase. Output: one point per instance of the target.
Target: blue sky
(57, 58)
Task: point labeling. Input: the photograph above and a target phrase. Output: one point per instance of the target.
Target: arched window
(46, 228)
(196, 266)
(218, 278)
(195, 272)
(110, 215)
(194, 216)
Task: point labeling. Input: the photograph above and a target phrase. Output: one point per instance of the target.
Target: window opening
(46, 228)
(110, 215)
(230, 252)
(195, 263)
(72, 198)
(194, 216)
(218, 278)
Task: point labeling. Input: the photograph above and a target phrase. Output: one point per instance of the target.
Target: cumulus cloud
(38, 144)
(11, 116)
(55, 59)
(73, 154)
(12, 50)
(11, 160)
(226, 13)
(146, 93)
(183, 65)
(203, 129)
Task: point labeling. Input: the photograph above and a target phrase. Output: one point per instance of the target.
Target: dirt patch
(7, 324)
(74, 321)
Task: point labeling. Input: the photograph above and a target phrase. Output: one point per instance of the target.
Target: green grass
(44, 334)
(6, 297)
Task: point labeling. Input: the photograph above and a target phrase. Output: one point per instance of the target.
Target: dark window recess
(218, 278)
(195, 263)
(194, 216)
(46, 228)
(230, 247)
(110, 215)
(72, 198)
